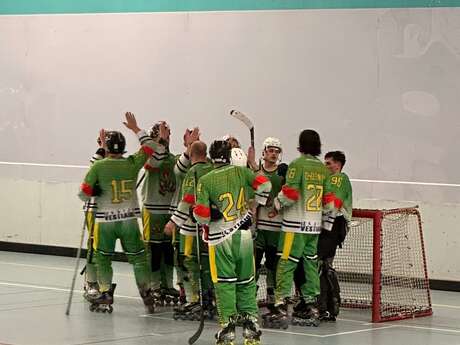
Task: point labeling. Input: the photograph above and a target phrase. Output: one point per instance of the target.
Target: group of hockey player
(211, 218)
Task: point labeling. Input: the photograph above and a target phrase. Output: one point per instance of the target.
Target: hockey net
(382, 265)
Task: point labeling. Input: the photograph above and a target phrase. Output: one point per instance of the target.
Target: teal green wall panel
(123, 6)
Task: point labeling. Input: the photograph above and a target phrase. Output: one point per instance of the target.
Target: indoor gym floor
(34, 293)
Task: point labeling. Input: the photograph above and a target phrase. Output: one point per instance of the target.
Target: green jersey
(267, 217)
(302, 195)
(164, 174)
(228, 188)
(338, 199)
(181, 216)
(113, 183)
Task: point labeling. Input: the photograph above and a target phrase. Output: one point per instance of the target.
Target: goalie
(336, 216)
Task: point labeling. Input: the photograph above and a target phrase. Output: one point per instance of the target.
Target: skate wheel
(175, 317)
(110, 309)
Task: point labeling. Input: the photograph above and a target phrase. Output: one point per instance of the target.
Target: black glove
(282, 170)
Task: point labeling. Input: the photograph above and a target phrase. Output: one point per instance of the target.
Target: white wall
(382, 85)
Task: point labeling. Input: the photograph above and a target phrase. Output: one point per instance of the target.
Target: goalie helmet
(272, 142)
(220, 151)
(115, 142)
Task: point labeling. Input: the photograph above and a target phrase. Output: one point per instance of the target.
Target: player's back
(308, 175)
(228, 189)
(116, 180)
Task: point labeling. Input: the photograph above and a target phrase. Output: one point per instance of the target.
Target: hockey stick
(197, 334)
(140, 180)
(243, 118)
(77, 261)
(90, 246)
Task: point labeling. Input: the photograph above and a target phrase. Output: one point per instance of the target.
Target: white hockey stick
(246, 120)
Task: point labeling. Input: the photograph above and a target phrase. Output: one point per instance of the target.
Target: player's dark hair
(337, 156)
(309, 142)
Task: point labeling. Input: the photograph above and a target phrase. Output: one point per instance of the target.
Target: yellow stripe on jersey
(96, 236)
(288, 240)
(212, 263)
(188, 245)
(146, 223)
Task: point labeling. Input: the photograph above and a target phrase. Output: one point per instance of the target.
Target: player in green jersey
(301, 200)
(231, 256)
(182, 220)
(160, 192)
(336, 216)
(91, 286)
(268, 224)
(112, 182)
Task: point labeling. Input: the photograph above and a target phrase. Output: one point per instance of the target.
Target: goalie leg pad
(329, 298)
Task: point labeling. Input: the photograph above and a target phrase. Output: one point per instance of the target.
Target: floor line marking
(292, 333)
(56, 268)
(359, 331)
(430, 328)
(56, 289)
(446, 306)
(123, 338)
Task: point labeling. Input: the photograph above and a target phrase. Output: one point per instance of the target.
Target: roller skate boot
(148, 297)
(170, 296)
(103, 301)
(251, 331)
(306, 314)
(189, 311)
(276, 318)
(91, 291)
(226, 336)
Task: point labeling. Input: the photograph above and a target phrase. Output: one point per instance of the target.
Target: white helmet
(238, 157)
(272, 142)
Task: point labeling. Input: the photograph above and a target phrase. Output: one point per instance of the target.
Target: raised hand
(190, 136)
(164, 131)
(252, 158)
(195, 134)
(101, 139)
(131, 122)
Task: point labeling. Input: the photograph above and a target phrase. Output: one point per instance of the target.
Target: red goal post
(382, 265)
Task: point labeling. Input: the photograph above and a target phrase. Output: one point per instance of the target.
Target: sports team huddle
(219, 218)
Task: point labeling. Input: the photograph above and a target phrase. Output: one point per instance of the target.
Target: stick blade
(192, 340)
(242, 117)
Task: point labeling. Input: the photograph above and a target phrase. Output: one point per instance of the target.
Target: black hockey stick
(243, 118)
(198, 332)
